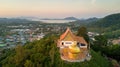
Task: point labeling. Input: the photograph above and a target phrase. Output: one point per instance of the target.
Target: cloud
(93, 2)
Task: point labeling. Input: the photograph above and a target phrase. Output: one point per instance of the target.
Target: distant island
(66, 18)
(71, 18)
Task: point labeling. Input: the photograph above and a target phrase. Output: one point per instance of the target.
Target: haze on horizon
(58, 8)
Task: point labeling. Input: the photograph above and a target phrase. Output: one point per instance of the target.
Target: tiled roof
(66, 32)
(76, 38)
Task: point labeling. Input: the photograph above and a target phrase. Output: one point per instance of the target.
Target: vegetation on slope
(108, 21)
(111, 51)
(108, 25)
(44, 53)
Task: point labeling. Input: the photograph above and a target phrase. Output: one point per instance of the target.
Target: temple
(73, 48)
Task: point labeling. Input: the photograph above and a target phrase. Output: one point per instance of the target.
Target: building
(2, 45)
(73, 48)
(116, 41)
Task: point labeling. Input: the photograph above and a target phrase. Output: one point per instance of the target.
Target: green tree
(20, 55)
(44, 53)
(100, 40)
(82, 31)
(100, 43)
(28, 63)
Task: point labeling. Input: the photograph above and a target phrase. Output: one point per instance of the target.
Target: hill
(71, 18)
(108, 21)
(10, 20)
(84, 21)
(108, 25)
(44, 53)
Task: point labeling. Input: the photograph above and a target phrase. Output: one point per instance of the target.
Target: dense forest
(44, 53)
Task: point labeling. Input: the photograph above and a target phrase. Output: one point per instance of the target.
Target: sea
(56, 21)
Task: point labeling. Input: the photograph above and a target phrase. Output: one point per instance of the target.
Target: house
(116, 41)
(73, 48)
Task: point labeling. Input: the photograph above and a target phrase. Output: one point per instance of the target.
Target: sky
(58, 8)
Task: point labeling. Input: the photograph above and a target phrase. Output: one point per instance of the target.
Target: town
(16, 33)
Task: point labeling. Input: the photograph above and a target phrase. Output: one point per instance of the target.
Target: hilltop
(108, 21)
(109, 25)
(44, 53)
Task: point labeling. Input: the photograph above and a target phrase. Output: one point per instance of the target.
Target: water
(56, 21)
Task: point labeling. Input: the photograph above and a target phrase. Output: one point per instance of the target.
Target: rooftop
(76, 38)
